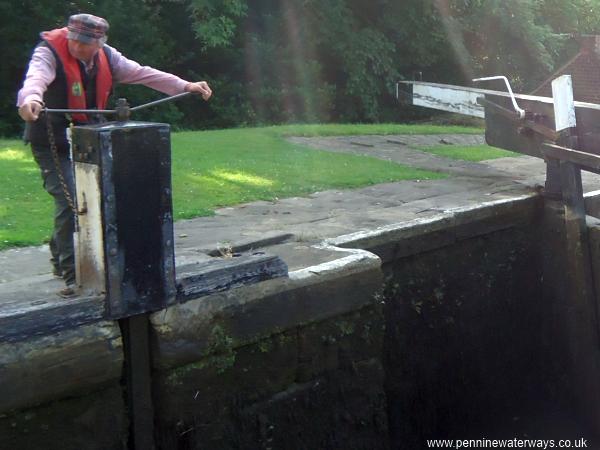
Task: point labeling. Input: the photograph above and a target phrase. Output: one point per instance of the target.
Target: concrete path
(298, 222)
(404, 149)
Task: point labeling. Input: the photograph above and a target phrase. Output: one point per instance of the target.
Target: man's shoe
(69, 291)
(57, 272)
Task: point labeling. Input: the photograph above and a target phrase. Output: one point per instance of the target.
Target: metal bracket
(122, 110)
(526, 124)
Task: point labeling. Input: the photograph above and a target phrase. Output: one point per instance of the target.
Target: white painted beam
(449, 98)
(564, 105)
(463, 99)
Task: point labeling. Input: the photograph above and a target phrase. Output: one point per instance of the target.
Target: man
(74, 68)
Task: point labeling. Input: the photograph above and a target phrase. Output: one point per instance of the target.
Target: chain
(61, 178)
(122, 111)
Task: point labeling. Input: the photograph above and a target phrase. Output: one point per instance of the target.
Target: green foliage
(215, 21)
(573, 16)
(352, 38)
(507, 37)
(273, 61)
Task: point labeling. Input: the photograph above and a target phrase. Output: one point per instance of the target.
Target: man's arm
(40, 73)
(127, 71)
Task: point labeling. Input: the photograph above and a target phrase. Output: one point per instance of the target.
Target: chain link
(61, 178)
(122, 112)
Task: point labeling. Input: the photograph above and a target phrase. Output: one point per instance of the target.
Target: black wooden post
(125, 244)
(125, 241)
(552, 187)
(135, 331)
(578, 256)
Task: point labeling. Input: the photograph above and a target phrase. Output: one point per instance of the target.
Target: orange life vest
(57, 40)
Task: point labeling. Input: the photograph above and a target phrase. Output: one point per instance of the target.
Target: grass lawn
(217, 168)
(472, 153)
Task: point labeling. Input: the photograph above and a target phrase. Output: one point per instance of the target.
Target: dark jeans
(61, 242)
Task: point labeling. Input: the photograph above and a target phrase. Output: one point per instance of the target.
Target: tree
(272, 61)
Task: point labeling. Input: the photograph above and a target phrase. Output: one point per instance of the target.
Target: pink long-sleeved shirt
(42, 71)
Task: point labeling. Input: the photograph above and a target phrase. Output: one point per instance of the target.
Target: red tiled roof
(584, 69)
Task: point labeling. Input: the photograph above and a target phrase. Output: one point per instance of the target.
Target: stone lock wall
(463, 337)
(434, 328)
(258, 371)
(64, 391)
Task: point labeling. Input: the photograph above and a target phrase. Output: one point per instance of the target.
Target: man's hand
(30, 111)
(200, 87)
